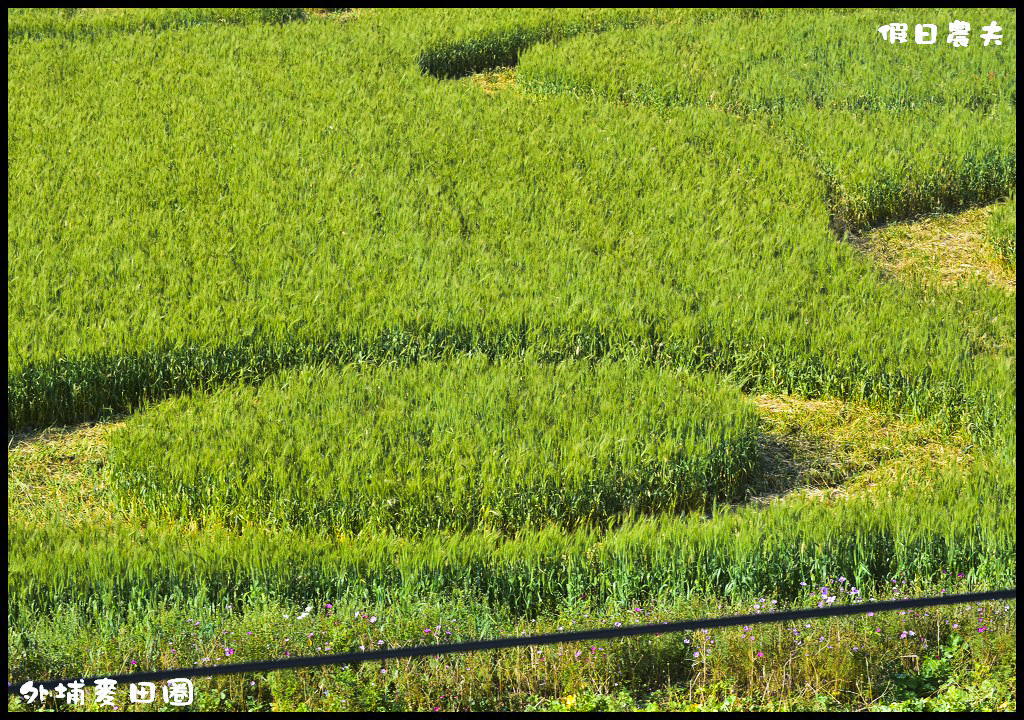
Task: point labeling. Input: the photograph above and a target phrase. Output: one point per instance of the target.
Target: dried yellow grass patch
(830, 448)
(940, 251)
(496, 80)
(58, 470)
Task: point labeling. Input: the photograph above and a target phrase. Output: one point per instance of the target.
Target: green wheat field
(369, 328)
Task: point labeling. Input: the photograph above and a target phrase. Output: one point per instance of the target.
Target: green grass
(931, 658)
(82, 23)
(1002, 231)
(928, 521)
(569, 227)
(868, 114)
(452, 447)
(389, 341)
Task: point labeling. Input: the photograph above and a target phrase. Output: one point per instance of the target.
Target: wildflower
(760, 654)
(228, 652)
(842, 579)
(903, 635)
(329, 606)
(696, 654)
(618, 624)
(373, 619)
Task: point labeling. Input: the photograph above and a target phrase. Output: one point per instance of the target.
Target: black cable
(547, 639)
